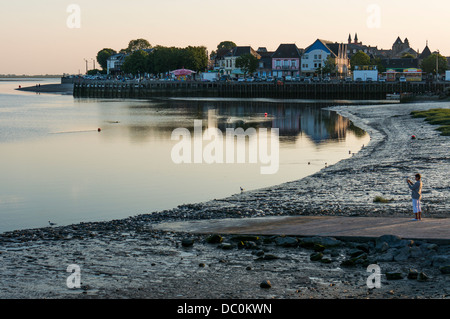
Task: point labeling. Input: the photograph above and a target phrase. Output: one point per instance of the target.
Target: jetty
(280, 90)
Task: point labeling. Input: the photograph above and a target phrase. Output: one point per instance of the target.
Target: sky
(56, 36)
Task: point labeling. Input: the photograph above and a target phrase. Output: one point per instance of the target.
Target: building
(229, 61)
(115, 62)
(402, 67)
(286, 61)
(353, 46)
(315, 56)
(265, 63)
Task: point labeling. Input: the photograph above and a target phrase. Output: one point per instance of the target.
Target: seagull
(241, 189)
(51, 224)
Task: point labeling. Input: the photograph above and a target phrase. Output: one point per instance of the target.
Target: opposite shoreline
(115, 255)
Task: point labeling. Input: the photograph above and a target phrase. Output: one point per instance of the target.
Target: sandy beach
(131, 258)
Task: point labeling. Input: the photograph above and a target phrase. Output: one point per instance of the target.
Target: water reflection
(127, 168)
(157, 119)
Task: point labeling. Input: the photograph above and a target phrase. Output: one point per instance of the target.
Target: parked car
(348, 79)
(316, 79)
(358, 79)
(307, 80)
(288, 78)
(402, 79)
(382, 80)
(241, 80)
(327, 79)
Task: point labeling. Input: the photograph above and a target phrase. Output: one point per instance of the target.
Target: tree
(380, 67)
(103, 55)
(136, 63)
(226, 45)
(429, 64)
(138, 44)
(408, 56)
(248, 63)
(360, 58)
(329, 65)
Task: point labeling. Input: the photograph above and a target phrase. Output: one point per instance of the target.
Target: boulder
(327, 242)
(265, 284)
(316, 256)
(286, 241)
(394, 276)
(214, 239)
(413, 274)
(187, 242)
(440, 260)
(445, 270)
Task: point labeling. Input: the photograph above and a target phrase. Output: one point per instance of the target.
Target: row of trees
(160, 60)
(428, 65)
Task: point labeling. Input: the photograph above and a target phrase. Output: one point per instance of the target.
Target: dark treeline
(165, 59)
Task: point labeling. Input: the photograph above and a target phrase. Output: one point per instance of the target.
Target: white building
(315, 56)
(114, 63)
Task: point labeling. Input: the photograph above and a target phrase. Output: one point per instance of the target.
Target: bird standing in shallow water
(241, 189)
(51, 224)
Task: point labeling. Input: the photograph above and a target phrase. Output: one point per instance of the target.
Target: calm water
(56, 166)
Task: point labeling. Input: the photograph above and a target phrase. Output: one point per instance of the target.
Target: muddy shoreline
(129, 259)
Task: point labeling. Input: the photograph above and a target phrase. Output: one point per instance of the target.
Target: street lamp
(93, 61)
(437, 66)
(85, 60)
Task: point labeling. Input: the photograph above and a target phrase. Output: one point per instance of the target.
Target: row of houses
(287, 61)
(290, 60)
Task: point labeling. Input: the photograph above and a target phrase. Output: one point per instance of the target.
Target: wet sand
(130, 258)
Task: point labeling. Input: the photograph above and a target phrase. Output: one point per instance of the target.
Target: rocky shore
(130, 259)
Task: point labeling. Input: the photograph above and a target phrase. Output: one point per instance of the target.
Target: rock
(214, 239)
(245, 238)
(394, 276)
(248, 268)
(355, 252)
(187, 242)
(286, 241)
(270, 257)
(226, 246)
(387, 257)
(325, 260)
(309, 242)
(316, 256)
(392, 240)
(364, 247)
(413, 274)
(259, 253)
(382, 247)
(422, 277)
(440, 260)
(402, 254)
(445, 270)
(266, 284)
(319, 247)
(201, 265)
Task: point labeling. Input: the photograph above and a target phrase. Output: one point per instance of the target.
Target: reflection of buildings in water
(292, 119)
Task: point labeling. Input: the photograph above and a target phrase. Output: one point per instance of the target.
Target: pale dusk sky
(36, 38)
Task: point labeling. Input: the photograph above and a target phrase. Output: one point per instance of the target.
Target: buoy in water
(99, 130)
(413, 137)
(265, 114)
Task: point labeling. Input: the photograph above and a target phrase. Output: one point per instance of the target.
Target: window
(305, 57)
(320, 56)
(293, 63)
(315, 65)
(315, 56)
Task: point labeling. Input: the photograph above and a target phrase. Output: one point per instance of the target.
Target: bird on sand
(51, 224)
